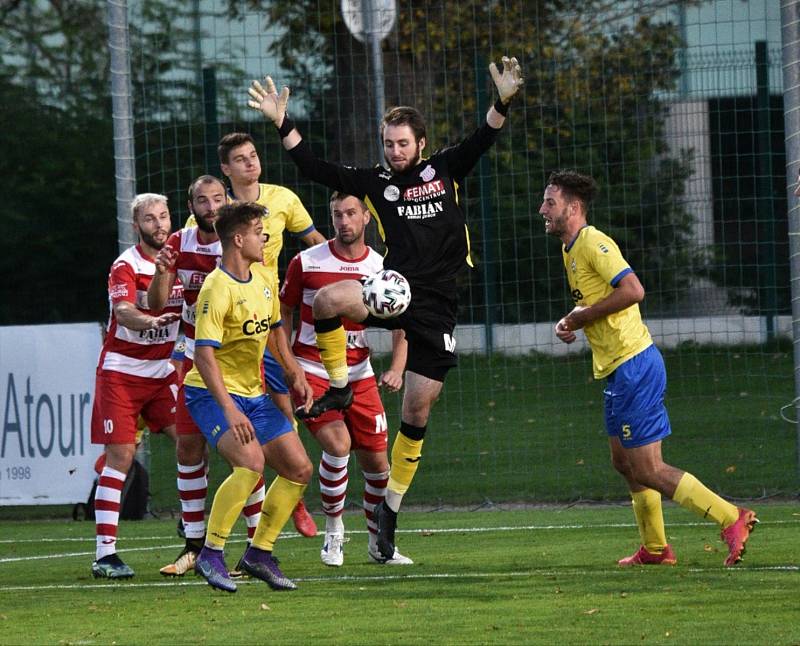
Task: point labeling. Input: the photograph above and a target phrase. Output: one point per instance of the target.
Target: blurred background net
(676, 109)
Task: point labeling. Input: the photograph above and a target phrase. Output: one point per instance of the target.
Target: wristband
(501, 107)
(286, 127)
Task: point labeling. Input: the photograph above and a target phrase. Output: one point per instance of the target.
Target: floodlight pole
(790, 41)
(369, 19)
(122, 114)
(124, 159)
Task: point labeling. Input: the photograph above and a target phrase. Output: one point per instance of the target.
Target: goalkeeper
(607, 294)
(415, 203)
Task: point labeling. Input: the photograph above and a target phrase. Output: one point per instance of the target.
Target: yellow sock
(281, 499)
(228, 504)
(649, 517)
(695, 496)
(333, 352)
(406, 454)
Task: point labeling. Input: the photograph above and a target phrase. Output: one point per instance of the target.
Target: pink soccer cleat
(737, 534)
(643, 557)
(303, 522)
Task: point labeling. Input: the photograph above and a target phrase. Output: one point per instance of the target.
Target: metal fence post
(122, 112)
(790, 41)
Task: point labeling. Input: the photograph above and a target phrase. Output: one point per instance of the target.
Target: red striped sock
(192, 490)
(333, 483)
(374, 492)
(106, 510)
(252, 508)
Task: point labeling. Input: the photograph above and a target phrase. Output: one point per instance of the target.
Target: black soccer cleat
(331, 399)
(111, 567)
(386, 520)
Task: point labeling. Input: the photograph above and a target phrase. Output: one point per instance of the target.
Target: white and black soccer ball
(386, 293)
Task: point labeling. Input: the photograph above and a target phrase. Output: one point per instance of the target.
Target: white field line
(378, 578)
(446, 530)
(438, 530)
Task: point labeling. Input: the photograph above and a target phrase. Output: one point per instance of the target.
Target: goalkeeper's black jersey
(417, 212)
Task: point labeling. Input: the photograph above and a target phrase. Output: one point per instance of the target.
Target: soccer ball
(386, 294)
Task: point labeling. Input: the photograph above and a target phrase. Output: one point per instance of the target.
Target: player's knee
(338, 447)
(417, 408)
(646, 475)
(325, 303)
(248, 459)
(190, 449)
(301, 472)
(120, 456)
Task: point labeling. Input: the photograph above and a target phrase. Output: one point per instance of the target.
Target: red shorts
(184, 424)
(365, 419)
(119, 399)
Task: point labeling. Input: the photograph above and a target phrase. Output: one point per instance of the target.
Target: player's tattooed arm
(131, 317)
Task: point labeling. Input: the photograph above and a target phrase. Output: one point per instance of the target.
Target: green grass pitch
(541, 575)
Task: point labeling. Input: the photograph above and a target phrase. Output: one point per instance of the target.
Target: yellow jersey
(235, 317)
(594, 267)
(285, 212)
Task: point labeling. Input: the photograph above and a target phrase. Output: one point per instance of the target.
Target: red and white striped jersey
(142, 353)
(308, 271)
(195, 261)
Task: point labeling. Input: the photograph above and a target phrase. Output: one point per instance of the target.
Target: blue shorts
(268, 422)
(273, 373)
(634, 400)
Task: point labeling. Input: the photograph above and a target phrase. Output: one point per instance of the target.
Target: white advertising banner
(47, 389)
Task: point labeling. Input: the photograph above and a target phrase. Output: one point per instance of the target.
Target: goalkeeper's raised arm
(508, 83)
(273, 105)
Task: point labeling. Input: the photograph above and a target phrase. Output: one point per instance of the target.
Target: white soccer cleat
(332, 552)
(397, 558)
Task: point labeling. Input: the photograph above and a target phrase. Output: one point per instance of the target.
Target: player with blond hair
(134, 374)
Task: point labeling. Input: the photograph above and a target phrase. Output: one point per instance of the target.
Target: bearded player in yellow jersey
(606, 293)
(236, 312)
(284, 211)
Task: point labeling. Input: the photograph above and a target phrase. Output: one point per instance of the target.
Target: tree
(58, 169)
(60, 231)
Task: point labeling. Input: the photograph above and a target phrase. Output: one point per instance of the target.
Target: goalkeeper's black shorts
(429, 323)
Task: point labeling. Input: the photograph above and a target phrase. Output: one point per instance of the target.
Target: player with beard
(187, 258)
(134, 374)
(607, 294)
(361, 428)
(415, 203)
